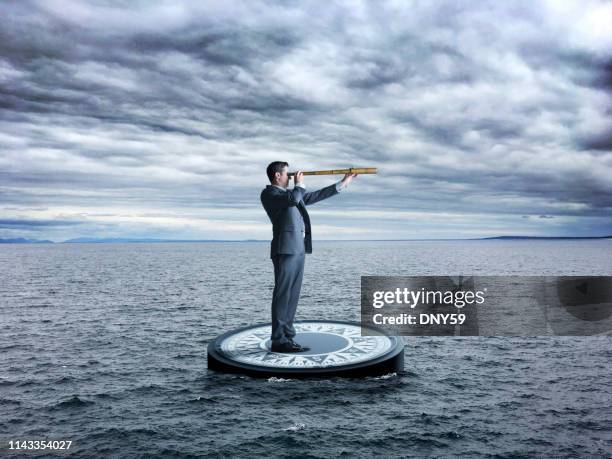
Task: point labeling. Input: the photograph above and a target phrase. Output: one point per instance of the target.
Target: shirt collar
(278, 186)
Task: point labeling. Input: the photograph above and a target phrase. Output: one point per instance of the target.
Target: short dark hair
(274, 167)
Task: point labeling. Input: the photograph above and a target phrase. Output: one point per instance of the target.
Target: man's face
(283, 180)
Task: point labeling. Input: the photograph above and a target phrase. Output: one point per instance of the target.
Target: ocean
(104, 345)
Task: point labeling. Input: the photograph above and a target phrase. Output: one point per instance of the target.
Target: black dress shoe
(288, 347)
(303, 348)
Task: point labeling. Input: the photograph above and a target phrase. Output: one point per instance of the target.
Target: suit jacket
(287, 212)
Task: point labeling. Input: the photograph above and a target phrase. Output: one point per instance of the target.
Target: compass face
(331, 345)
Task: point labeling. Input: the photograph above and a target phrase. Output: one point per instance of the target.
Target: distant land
(545, 237)
(96, 240)
(22, 240)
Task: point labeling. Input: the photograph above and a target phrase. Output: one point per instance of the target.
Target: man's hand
(347, 179)
(298, 177)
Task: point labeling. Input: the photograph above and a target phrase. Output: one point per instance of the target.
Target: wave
(295, 427)
(72, 402)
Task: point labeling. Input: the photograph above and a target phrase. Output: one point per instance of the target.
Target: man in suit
(291, 241)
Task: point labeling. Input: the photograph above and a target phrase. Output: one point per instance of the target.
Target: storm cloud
(157, 119)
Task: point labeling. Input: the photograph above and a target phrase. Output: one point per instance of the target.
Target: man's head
(277, 173)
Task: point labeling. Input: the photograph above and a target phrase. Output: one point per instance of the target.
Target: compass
(336, 349)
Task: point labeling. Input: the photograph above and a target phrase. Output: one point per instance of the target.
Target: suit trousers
(288, 274)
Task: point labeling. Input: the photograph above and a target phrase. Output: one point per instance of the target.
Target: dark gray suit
(291, 241)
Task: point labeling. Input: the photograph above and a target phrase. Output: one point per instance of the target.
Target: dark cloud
(241, 47)
(603, 78)
(599, 141)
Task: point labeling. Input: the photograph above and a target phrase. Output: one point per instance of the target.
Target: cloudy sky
(157, 119)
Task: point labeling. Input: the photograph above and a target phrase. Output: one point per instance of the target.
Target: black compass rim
(391, 361)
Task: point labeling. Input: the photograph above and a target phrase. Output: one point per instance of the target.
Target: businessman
(291, 241)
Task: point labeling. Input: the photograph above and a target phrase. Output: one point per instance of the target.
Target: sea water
(105, 345)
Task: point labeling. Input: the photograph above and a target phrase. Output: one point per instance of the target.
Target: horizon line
(136, 240)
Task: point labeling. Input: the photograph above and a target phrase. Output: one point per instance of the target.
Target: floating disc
(336, 349)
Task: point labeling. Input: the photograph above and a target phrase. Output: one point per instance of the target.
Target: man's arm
(282, 200)
(324, 193)
(311, 197)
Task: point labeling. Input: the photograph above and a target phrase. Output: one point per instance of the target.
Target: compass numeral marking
(317, 358)
(248, 347)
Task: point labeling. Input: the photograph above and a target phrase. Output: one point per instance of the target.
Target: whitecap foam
(295, 427)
